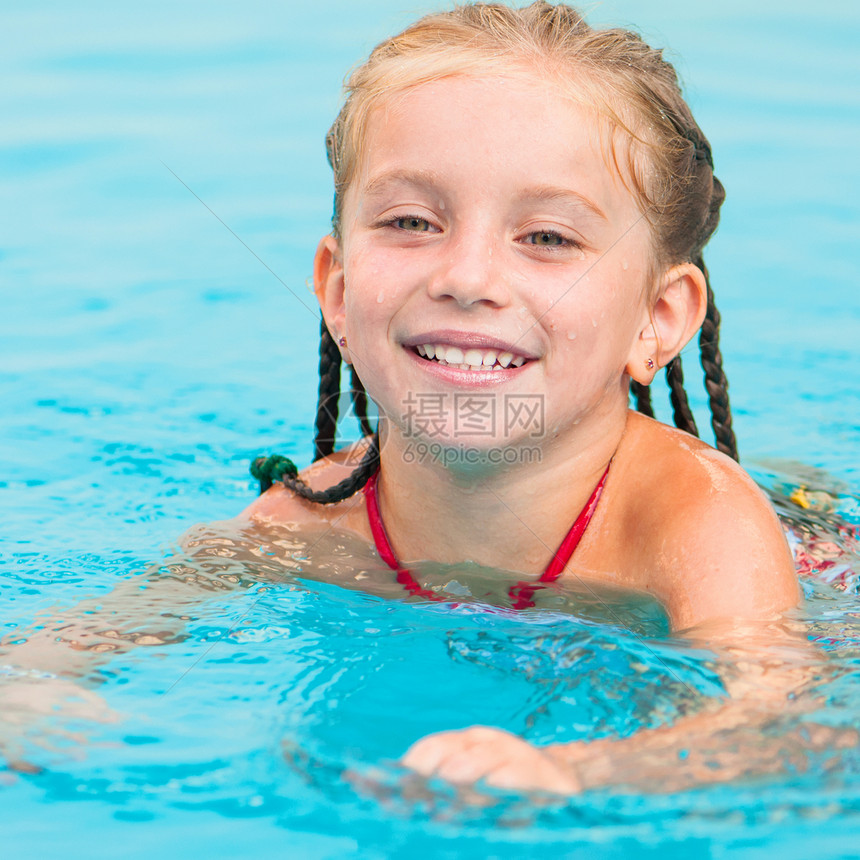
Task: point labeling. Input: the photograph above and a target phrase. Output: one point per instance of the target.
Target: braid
(359, 401)
(329, 393)
(276, 468)
(267, 470)
(643, 398)
(349, 486)
(716, 383)
(715, 378)
(681, 412)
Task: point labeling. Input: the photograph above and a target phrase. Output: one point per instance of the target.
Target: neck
(509, 516)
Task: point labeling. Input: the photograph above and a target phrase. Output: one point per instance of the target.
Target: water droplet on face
(594, 322)
(442, 205)
(521, 313)
(380, 298)
(571, 335)
(625, 265)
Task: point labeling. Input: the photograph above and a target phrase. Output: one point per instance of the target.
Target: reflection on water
(822, 519)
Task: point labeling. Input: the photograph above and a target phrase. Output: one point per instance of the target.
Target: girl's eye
(546, 239)
(416, 225)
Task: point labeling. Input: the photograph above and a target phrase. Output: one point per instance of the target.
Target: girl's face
(484, 227)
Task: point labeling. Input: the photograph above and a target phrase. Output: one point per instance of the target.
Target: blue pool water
(147, 353)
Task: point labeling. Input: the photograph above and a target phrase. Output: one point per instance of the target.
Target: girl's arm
(147, 610)
(47, 667)
(758, 729)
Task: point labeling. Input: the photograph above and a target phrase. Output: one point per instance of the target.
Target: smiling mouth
(469, 359)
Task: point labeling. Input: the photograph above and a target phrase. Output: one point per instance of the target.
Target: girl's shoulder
(677, 485)
(677, 467)
(709, 540)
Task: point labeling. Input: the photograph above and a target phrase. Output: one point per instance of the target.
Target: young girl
(521, 204)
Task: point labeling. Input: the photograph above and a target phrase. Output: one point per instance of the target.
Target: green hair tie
(267, 470)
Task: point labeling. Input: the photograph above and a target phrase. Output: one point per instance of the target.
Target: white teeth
(469, 359)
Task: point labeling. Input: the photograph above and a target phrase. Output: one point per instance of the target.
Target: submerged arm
(771, 672)
(148, 610)
(43, 665)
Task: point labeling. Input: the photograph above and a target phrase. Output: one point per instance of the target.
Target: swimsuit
(521, 592)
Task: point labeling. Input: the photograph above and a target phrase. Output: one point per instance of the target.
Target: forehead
(497, 131)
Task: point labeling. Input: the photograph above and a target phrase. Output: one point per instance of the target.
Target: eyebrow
(425, 179)
(552, 194)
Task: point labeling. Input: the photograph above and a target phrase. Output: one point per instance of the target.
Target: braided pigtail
(359, 402)
(642, 393)
(715, 378)
(682, 415)
(329, 397)
(267, 470)
(329, 394)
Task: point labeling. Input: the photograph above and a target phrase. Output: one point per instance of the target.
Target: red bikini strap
(377, 529)
(577, 530)
(383, 544)
(521, 593)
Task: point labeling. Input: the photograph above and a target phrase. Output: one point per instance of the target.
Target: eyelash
(397, 223)
(562, 243)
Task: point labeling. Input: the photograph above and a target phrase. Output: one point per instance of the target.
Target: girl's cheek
(365, 286)
(573, 300)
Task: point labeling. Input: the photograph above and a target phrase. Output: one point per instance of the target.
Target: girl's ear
(329, 290)
(676, 315)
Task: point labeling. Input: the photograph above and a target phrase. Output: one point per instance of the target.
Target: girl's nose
(470, 273)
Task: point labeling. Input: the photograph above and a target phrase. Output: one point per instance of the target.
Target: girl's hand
(494, 757)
